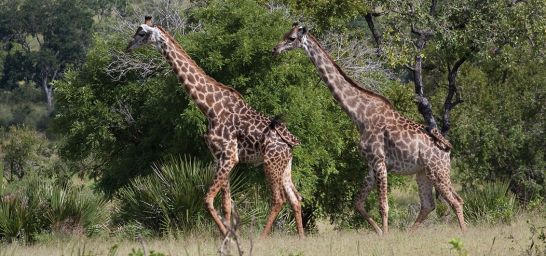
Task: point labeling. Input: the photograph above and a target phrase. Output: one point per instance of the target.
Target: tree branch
(376, 36)
(432, 10)
(450, 102)
(423, 105)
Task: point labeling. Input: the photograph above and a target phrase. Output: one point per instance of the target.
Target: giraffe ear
(148, 20)
(302, 31)
(295, 24)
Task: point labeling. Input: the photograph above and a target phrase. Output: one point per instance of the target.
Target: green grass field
(433, 239)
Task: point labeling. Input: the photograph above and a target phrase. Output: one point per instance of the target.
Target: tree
(44, 38)
(23, 150)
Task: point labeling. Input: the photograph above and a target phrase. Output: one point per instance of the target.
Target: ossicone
(148, 20)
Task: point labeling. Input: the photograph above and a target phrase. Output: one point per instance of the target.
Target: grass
(437, 239)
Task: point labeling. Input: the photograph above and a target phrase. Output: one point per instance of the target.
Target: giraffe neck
(352, 98)
(206, 92)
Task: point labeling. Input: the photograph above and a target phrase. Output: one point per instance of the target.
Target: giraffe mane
(199, 69)
(349, 79)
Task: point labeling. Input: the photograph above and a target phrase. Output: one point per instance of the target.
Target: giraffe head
(292, 39)
(145, 34)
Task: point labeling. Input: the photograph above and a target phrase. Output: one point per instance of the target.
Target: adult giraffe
(388, 140)
(236, 132)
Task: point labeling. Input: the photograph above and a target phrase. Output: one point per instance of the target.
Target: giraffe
(236, 132)
(388, 140)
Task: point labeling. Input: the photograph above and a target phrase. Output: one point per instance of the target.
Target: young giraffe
(236, 132)
(388, 140)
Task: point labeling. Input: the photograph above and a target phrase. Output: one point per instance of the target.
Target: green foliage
(35, 205)
(499, 134)
(489, 204)
(123, 127)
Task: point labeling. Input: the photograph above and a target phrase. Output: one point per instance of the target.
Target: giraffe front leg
(221, 180)
(226, 203)
(360, 200)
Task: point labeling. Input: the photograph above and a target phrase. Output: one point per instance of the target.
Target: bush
(528, 184)
(490, 203)
(170, 199)
(35, 205)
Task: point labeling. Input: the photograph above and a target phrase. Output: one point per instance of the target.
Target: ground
(502, 239)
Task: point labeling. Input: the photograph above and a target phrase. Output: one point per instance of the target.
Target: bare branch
(232, 233)
(376, 35)
(450, 103)
(140, 64)
(169, 15)
(143, 244)
(432, 10)
(124, 109)
(360, 62)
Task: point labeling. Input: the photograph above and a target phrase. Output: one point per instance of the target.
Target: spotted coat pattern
(388, 140)
(236, 132)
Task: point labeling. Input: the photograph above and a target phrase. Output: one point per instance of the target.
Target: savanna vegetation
(102, 151)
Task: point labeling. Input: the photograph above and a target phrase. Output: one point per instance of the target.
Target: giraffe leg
(446, 190)
(294, 197)
(427, 199)
(277, 200)
(226, 202)
(361, 197)
(381, 176)
(220, 178)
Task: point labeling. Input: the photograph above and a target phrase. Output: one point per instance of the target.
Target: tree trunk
(48, 90)
(423, 105)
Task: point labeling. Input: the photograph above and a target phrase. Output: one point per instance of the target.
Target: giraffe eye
(291, 39)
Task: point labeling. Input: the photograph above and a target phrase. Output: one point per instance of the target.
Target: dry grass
(433, 240)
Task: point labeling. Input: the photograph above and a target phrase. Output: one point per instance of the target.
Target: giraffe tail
(283, 132)
(439, 139)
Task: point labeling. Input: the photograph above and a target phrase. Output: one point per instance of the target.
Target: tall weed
(490, 203)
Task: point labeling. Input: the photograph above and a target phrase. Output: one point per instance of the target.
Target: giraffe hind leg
(381, 176)
(447, 191)
(294, 197)
(426, 197)
(277, 200)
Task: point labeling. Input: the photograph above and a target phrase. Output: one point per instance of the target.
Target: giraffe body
(388, 140)
(236, 132)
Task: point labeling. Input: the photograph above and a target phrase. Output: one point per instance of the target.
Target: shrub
(21, 211)
(489, 203)
(75, 210)
(170, 199)
(35, 205)
(528, 184)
